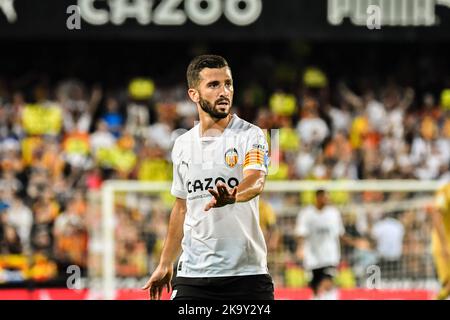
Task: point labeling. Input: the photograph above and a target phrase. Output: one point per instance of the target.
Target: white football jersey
(225, 241)
(321, 231)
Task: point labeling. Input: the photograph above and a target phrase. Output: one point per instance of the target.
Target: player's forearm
(299, 247)
(250, 187)
(352, 98)
(172, 245)
(439, 227)
(350, 241)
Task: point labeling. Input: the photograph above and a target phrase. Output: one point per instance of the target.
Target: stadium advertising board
(176, 19)
(280, 294)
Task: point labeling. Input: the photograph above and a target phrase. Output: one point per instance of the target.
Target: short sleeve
(179, 166)
(376, 231)
(301, 227)
(256, 151)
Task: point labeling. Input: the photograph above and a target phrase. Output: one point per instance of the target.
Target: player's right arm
(437, 213)
(438, 225)
(299, 250)
(301, 233)
(162, 276)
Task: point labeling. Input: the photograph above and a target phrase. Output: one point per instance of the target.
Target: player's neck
(320, 207)
(211, 127)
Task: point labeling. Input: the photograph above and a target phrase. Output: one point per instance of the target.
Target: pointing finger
(152, 293)
(158, 293)
(147, 285)
(222, 191)
(214, 193)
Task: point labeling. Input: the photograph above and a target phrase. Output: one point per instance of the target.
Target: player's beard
(211, 109)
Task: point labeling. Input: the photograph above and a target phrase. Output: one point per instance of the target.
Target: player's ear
(193, 94)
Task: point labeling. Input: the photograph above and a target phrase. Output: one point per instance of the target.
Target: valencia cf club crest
(231, 157)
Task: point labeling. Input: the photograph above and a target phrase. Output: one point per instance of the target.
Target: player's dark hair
(320, 192)
(201, 62)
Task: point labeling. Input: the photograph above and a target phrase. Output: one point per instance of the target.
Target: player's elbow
(260, 182)
(259, 186)
(180, 206)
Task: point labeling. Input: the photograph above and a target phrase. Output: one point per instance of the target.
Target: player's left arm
(438, 224)
(251, 186)
(348, 240)
(344, 237)
(255, 169)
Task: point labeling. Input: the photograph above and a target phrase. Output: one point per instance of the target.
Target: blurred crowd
(60, 141)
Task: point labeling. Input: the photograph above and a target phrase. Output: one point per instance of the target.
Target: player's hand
(222, 196)
(160, 278)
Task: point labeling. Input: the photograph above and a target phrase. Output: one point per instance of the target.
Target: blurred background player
(268, 224)
(441, 239)
(320, 230)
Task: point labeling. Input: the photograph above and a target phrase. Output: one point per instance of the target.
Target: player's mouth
(223, 103)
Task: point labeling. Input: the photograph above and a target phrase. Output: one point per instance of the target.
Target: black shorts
(318, 275)
(254, 287)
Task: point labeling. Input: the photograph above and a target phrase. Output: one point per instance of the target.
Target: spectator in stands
(340, 117)
(113, 117)
(42, 241)
(10, 244)
(160, 133)
(152, 164)
(10, 183)
(78, 113)
(138, 118)
(311, 128)
(52, 158)
(10, 160)
(3, 218)
(76, 150)
(71, 237)
(20, 217)
(101, 138)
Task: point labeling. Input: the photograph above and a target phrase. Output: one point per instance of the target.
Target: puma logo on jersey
(185, 163)
(209, 183)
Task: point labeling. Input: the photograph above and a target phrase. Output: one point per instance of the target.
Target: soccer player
(320, 229)
(441, 239)
(219, 169)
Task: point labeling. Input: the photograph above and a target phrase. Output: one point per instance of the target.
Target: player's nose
(225, 92)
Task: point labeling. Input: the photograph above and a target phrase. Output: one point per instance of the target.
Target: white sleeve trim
(256, 167)
(178, 193)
